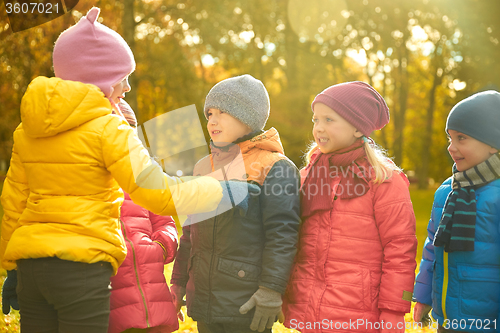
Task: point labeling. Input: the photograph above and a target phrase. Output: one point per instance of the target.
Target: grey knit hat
(243, 97)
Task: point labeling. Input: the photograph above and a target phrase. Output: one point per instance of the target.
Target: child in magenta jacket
(140, 297)
(355, 264)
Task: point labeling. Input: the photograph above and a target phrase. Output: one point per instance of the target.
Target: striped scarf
(457, 227)
(127, 113)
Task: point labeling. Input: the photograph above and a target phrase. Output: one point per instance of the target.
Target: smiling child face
(331, 131)
(224, 128)
(467, 151)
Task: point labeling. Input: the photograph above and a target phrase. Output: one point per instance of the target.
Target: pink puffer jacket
(140, 297)
(354, 261)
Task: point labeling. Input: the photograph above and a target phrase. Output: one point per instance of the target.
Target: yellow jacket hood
(52, 105)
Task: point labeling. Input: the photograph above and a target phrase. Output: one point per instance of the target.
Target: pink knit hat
(358, 103)
(90, 52)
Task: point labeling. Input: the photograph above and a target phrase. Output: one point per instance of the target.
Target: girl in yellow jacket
(62, 195)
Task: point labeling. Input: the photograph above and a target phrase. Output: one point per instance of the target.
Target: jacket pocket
(348, 287)
(437, 288)
(375, 277)
(239, 270)
(479, 290)
(234, 282)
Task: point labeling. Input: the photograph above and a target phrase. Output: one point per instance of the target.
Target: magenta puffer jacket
(140, 297)
(354, 261)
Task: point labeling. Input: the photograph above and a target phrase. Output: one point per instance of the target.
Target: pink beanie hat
(90, 52)
(358, 103)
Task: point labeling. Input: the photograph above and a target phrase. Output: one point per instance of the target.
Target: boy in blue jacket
(459, 276)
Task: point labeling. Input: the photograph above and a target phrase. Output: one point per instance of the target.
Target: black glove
(9, 295)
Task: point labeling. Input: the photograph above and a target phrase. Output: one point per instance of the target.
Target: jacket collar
(265, 140)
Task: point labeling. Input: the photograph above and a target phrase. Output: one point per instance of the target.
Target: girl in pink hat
(61, 238)
(355, 263)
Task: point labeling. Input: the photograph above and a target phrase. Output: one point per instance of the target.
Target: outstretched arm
(148, 186)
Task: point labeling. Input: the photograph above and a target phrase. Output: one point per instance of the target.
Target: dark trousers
(225, 328)
(60, 296)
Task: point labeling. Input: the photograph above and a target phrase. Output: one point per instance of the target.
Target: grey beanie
(479, 117)
(243, 97)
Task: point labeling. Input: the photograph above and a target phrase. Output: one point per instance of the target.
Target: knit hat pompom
(358, 103)
(90, 52)
(478, 116)
(243, 97)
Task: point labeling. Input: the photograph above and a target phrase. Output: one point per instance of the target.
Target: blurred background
(423, 56)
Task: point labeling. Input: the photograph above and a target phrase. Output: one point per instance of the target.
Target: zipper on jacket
(210, 272)
(445, 284)
(136, 272)
(214, 232)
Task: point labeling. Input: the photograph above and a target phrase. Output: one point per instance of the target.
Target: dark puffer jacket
(223, 260)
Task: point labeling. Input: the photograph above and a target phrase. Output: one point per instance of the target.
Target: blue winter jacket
(469, 282)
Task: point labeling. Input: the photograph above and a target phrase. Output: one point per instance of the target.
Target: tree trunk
(399, 121)
(129, 36)
(427, 139)
(292, 46)
(383, 137)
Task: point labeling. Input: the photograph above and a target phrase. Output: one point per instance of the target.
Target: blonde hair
(382, 165)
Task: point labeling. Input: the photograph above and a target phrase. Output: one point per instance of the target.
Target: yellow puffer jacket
(71, 156)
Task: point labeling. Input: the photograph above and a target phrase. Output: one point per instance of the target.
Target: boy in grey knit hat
(245, 100)
(234, 267)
